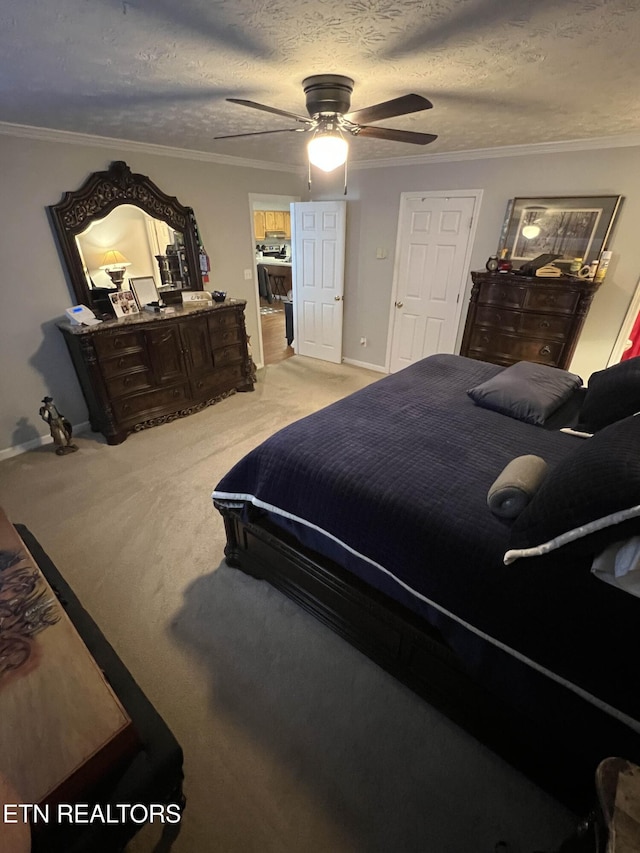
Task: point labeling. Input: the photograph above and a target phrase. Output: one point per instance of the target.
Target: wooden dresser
(140, 371)
(514, 318)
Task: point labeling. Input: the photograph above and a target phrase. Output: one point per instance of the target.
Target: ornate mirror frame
(101, 193)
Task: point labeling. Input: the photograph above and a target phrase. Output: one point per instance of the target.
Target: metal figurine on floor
(59, 426)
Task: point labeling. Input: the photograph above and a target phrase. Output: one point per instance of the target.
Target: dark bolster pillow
(588, 501)
(526, 391)
(515, 486)
(612, 394)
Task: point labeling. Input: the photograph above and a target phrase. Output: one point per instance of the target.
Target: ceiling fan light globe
(328, 151)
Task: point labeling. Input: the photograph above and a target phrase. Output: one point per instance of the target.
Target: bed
(372, 514)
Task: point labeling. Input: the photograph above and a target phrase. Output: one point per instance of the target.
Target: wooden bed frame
(560, 756)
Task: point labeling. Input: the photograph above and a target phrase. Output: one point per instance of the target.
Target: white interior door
(432, 258)
(318, 239)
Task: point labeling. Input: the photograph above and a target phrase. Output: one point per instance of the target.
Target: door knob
(399, 304)
(337, 298)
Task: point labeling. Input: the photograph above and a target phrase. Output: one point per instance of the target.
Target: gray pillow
(526, 391)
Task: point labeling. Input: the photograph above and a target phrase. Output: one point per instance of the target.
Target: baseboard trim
(377, 367)
(42, 440)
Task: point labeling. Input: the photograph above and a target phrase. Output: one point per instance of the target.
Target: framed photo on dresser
(144, 290)
(124, 303)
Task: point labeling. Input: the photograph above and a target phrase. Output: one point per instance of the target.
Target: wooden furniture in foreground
(514, 318)
(618, 789)
(63, 728)
(147, 369)
(149, 771)
(15, 837)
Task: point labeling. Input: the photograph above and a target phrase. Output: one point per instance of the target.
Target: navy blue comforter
(391, 482)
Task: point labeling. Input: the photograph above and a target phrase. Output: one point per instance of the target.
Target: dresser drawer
(546, 326)
(139, 407)
(125, 363)
(224, 379)
(135, 381)
(222, 320)
(506, 295)
(498, 318)
(227, 355)
(537, 325)
(491, 345)
(224, 336)
(107, 345)
(552, 299)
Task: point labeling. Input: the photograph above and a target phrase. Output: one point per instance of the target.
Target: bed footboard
(413, 652)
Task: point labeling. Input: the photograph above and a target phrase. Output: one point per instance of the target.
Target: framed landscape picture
(571, 227)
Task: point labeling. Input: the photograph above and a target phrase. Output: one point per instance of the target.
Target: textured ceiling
(499, 72)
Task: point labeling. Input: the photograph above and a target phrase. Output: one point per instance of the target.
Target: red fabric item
(634, 349)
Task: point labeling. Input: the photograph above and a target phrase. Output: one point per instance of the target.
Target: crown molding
(72, 138)
(598, 143)
(526, 150)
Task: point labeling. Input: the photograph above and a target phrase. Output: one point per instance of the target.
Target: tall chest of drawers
(520, 318)
(144, 370)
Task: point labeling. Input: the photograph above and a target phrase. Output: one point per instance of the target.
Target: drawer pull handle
(544, 324)
(176, 392)
(545, 351)
(127, 380)
(498, 318)
(551, 300)
(121, 362)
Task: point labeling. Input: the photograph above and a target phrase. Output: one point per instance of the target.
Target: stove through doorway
(274, 340)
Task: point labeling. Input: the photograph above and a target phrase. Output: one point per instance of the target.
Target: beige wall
(372, 219)
(33, 289)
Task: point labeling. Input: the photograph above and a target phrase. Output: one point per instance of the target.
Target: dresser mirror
(120, 225)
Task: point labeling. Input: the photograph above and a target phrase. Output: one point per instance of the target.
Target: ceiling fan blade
(267, 109)
(397, 135)
(388, 109)
(263, 132)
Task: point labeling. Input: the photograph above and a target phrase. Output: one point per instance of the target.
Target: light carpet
(294, 742)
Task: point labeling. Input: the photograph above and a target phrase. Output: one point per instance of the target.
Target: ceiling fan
(328, 102)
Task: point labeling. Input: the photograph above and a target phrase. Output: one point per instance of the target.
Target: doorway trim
(466, 267)
(263, 198)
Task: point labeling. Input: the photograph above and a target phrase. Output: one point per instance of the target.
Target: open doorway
(272, 245)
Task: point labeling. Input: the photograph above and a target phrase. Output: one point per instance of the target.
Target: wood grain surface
(62, 725)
